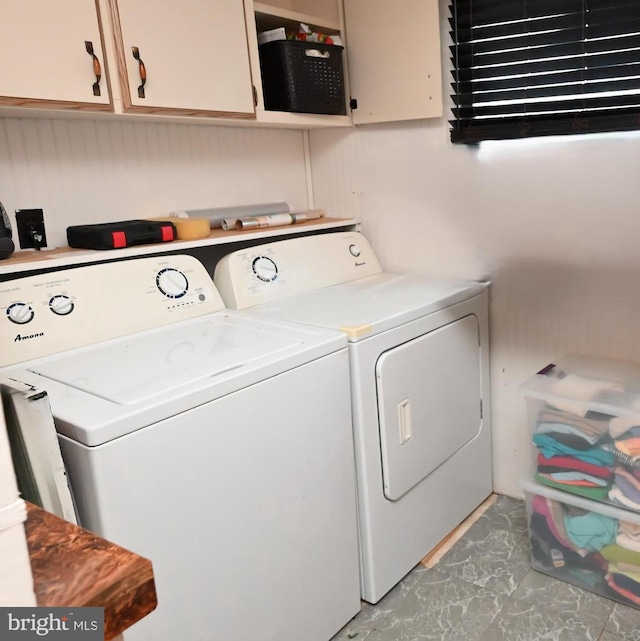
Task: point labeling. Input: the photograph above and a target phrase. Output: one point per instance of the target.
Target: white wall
(555, 223)
(85, 171)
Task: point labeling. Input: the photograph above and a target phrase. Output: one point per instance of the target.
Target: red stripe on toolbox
(167, 233)
(119, 239)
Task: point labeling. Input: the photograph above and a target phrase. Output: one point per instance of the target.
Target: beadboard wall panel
(554, 224)
(85, 171)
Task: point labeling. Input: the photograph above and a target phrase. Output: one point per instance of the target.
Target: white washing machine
(219, 447)
(419, 379)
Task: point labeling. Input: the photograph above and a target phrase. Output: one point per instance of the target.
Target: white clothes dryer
(418, 350)
(218, 446)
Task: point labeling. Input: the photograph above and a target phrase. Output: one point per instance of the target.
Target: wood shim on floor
(453, 537)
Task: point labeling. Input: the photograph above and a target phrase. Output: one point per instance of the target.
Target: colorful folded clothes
(548, 551)
(581, 440)
(624, 562)
(629, 461)
(586, 548)
(634, 471)
(626, 448)
(573, 478)
(553, 550)
(627, 483)
(570, 463)
(591, 578)
(618, 497)
(629, 446)
(629, 488)
(617, 554)
(552, 446)
(618, 425)
(575, 441)
(624, 586)
(592, 424)
(554, 516)
(632, 571)
(595, 493)
(630, 530)
(591, 530)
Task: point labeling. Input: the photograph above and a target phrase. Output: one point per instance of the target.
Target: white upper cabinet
(392, 60)
(51, 55)
(187, 57)
(200, 59)
(395, 67)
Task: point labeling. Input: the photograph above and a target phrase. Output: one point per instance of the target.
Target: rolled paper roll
(217, 215)
(272, 220)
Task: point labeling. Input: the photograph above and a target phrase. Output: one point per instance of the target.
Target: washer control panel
(20, 313)
(61, 304)
(172, 282)
(265, 273)
(265, 269)
(55, 312)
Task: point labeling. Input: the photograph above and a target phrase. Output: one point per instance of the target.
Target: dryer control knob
(172, 283)
(355, 250)
(61, 305)
(20, 313)
(265, 269)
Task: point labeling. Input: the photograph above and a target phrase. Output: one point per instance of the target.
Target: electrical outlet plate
(31, 232)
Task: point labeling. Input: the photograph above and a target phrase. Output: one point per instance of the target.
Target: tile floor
(484, 590)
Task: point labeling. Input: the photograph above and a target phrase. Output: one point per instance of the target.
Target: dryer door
(428, 402)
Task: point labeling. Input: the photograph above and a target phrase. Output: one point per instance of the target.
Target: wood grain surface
(76, 568)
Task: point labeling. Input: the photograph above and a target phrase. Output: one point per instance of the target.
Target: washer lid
(105, 391)
(368, 306)
(151, 365)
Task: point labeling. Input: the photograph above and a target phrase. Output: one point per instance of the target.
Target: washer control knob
(354, 250)
(265, 269)
(61, 305)
(172, 283)
(20, 313)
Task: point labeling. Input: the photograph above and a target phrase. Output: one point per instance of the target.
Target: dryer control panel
(265, 273)
(55, 312)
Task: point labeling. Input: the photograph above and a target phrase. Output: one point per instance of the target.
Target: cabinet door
(43, 53)
(193, 53)
(394, 59)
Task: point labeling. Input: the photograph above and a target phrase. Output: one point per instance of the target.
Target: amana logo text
(27, 337)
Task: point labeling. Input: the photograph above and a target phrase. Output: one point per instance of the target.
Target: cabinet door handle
(96, 67)
(143, 71)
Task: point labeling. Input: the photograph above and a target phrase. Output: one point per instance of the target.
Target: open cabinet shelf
(269, 17)
(322, 16)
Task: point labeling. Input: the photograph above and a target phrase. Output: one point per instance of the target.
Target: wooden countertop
(74, 567)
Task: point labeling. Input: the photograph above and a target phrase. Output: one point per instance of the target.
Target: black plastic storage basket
(304, 77)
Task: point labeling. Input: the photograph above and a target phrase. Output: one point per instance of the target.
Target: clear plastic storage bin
(584, 420)
(588, 544)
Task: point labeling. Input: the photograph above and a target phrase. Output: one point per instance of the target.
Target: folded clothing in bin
(584, 415)
(121, 234)
(591, 545)
(303, 77)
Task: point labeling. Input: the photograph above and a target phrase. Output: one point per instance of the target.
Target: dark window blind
(525, 68)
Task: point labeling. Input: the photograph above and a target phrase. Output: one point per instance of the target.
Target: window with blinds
(525, 68)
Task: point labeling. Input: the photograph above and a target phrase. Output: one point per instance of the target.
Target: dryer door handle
(404, 420)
